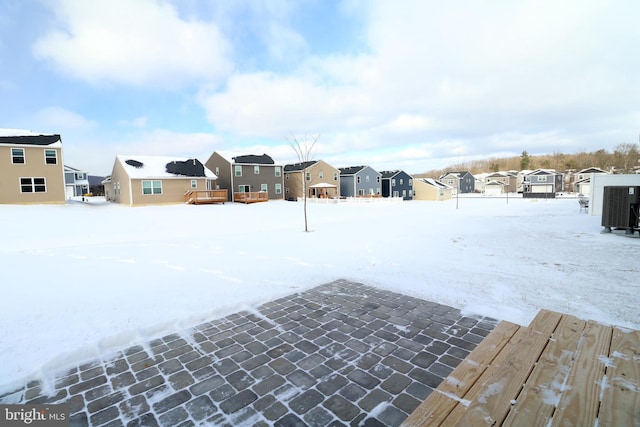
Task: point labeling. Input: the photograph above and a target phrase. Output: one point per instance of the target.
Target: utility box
(620, 208)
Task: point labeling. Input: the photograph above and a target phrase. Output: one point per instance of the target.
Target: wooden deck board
(558, 371)
(621, 397)
(579, 402)
(500, 386)
(537, 402)
(441, 401)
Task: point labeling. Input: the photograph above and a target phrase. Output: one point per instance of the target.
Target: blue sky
(412, 85)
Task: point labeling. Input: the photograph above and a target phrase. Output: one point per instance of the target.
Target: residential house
(247, 174)
(462, 182)
(151, 180)
(360, 181)
(31, 169)
(507, 179)
(431, 189)
(319, 178)
(542, 183)
(494, 188)
(76, 182)
(397, 184)
(520, 179)
(582, 180)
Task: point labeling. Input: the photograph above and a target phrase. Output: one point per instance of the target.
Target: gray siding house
(360, 181)
(462, 182)
(397, 184)
(76, 182)
(247, 173)
(542, 183)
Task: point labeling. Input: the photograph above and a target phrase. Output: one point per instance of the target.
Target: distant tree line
(624, 159)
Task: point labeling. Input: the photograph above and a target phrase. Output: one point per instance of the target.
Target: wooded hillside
(625, 158)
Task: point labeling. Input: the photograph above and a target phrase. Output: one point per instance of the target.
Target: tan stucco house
(431, 189)
(153, 180)
(31, 167)
(320, 180)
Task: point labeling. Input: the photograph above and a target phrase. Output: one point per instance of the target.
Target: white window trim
(152, 187)
(55, 156)
(24, 157)
(33, 184)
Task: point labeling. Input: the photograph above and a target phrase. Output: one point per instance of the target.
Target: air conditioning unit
(620, 208)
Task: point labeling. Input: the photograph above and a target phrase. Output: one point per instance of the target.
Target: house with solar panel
(155, 180)
(249, 178)
(31, 167)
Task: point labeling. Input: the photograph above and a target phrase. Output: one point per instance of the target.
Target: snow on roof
(27, 137)
(434, 183)
(156, 166)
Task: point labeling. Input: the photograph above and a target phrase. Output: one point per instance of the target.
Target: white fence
(351, 200)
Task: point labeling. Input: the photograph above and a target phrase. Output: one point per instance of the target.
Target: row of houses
(34, 172)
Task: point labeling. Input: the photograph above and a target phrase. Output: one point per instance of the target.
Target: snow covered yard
(84, 279)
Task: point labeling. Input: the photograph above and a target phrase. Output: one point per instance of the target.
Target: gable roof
(26, 137)
(351, 170)
(263, 159)
(296, 167)
(163, 167)
(391, 174)
(591, 170)
(544, 172)
(434, 183)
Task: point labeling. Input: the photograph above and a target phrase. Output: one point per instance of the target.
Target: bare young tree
(305, 149)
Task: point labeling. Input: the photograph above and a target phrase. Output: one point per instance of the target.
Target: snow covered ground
(84, 279)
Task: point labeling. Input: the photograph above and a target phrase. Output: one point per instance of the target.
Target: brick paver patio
(342, 353)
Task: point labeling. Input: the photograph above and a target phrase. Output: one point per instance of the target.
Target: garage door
(547, 188)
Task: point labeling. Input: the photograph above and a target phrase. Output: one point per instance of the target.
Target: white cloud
(474, 78)
(58, 119)
(140, 43)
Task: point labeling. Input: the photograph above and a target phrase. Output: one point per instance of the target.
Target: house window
(393, 182)
(401, 181)
(366, 178)
(194, 183)
(50, 157)
(151, 187)
(17, 155)
(335, 176)
(264, 187)
(404, 193)
(278, 188)
(308, 176)
(80, 176)
(238, 170)
(33, 185)
(411, 182)
(218, 170)
(256, 170)
(244, 189)
(278, 171)
(396, 194)
(542, 178)
(320, 175)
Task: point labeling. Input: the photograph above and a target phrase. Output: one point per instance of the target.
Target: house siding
(392, 184)
(34, 167)
(293, 184)
(228, 180)
(425, 191)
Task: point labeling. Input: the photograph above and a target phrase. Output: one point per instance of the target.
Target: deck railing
(251, 197)
(198, 197)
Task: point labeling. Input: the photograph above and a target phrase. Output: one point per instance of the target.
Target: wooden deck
(201, 197)
(558, 371)
(251, 197)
